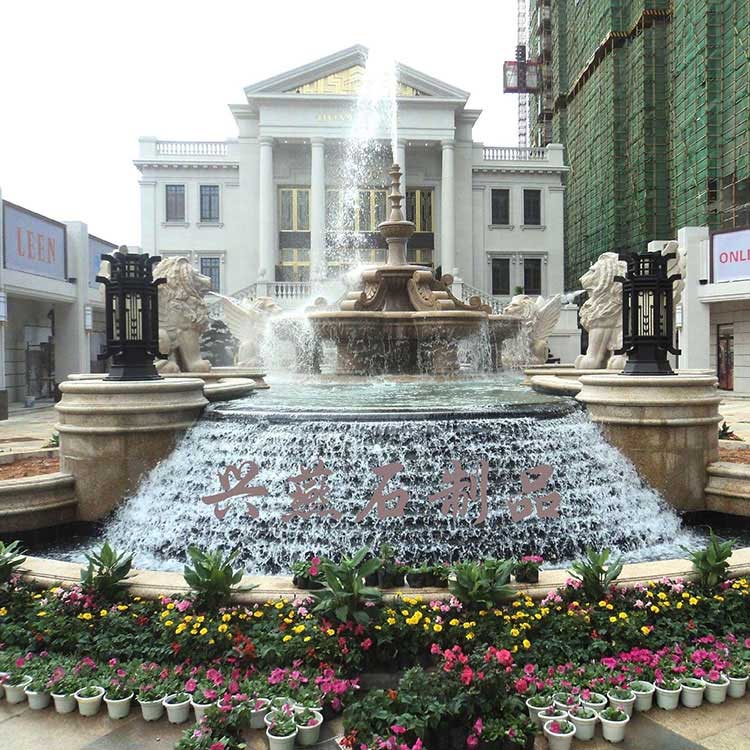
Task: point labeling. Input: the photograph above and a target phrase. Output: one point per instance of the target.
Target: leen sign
(730, 254)
(33, 243)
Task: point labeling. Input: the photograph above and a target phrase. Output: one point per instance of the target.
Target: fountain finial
(396, 230)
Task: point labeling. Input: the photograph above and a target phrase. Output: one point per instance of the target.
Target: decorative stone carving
(183, 316)
(539, 316)
(601, 314)
(248, 323)
(677, 265)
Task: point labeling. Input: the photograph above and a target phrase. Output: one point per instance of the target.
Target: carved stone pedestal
(666, 425)
(112, 433)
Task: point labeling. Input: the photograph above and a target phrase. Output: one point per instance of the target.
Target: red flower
(367, 644)
(176, 647)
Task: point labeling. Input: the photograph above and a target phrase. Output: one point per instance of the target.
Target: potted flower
(439, 574)
(280, 701)
(551, 714)
(178, 707)
(281, 729)
(526, 570)
(308, 696)
(416, 578)
(89, 699)
(117, 698)
(519, 735)
(584, 720)
(559, 734)
(565, 700)
(306, 574)
(644, 694)
(536, 704)
(738, 676)
(151, 700)
(692, 692)
(622, 698)
(668, 691)
(613, 722)
(37, 691)
(258, 711)
(203, 695)
(391, 571)
(308, 726)
(594, 701)
(15, 685)
(717, 685)
(63, 685)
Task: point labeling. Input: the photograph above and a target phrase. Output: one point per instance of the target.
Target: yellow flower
(693, 601)
(226, 617)
(200, 618)
(286, 638)
(469, 636)
(437, 627)
(602, 603)
(188, 618)
(122, 607)
(391, 620)
(526, 643)
(298, 629)
(258, 613)
(623, 615)
(223, 628)
(169, 623)
(307, 638)
(613, 619)
(678, 605)
(655, 609)
(203, 631)
(453, 622)
(610, 606)
(103, 613)
(515, 632)
(330, 631)
(170, 605)
(38, 614)
(3, 611)
(180, 628)
(645, 630)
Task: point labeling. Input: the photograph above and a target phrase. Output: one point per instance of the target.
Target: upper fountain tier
(402, 320)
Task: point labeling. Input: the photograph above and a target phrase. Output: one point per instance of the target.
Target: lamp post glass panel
(647, 314)
(132, 316)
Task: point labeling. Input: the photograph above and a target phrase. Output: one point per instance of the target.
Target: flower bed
(470, 667)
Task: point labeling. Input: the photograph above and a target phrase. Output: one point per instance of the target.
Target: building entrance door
(725, 349)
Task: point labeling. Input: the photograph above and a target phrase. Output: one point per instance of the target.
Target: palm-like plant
(345, 595)
(711, 562)
(106, 572)
(213, 577)
(11, 556)
(595, 574)
(482, 586)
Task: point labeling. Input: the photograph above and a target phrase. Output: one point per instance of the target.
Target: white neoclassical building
(256, 212)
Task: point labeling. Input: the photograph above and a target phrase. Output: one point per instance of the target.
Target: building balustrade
(191, 148)
(513, 153)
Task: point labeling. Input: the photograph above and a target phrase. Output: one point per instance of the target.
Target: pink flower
(183, 605)
(367, 644)
(472, 741)
(521, 685)
(478, 726)
(217, 746)
(398, 729)
(190, 685)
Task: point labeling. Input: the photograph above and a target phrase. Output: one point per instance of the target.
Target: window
(362, 212)
(211, 267)
(532, 276)
(532, 208)
(500, 275)
(294, 209)
(295, 264)
(420, 256)
(175, 203)
(500, 206)
(419, 209)
(210, 203)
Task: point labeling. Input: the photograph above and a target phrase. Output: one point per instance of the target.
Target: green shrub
(594, 573)
(481, 586)
(345, 595)
(212, 577)
(106, 573)
(711, 562)
(11, 556)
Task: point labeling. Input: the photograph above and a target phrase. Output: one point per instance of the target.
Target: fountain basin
(401, 342)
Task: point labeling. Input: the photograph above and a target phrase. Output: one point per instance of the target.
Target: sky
(80, 81)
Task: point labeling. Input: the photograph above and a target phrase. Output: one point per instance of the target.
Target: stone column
(71, 340)
(448, 210)
(266, 219)
(666, 425)
(317, 210)
(401, 161)
(696, 315)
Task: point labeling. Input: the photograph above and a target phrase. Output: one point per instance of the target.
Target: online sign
(309, 494)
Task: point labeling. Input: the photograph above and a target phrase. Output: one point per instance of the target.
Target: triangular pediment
(342, 73)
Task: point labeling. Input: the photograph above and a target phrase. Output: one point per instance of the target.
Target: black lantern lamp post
(132, 313)
(647, 314)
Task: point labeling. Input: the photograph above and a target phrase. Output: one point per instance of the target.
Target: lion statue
(247, 321)
(601, 314)
(539, 318)
(183, 316)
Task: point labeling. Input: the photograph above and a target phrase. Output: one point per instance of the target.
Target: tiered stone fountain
(403, 320)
